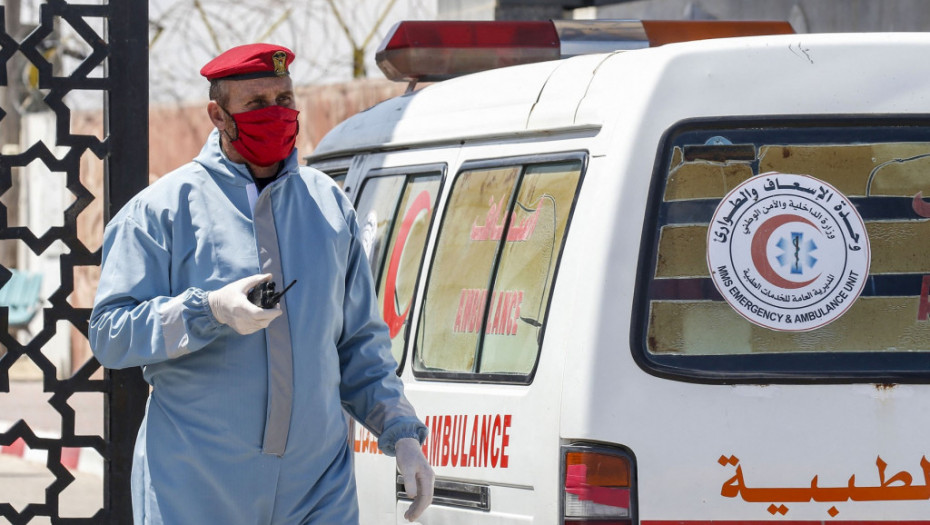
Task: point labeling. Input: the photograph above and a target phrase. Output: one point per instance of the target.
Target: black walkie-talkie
(264, 295)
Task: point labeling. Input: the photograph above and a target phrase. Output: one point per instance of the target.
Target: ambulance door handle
(454, 494)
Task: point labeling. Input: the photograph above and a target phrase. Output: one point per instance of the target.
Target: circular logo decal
(369, 232)
(788, 252)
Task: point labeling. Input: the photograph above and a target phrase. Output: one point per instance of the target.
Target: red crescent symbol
(394, 320)
(760, 259)
(921, 207)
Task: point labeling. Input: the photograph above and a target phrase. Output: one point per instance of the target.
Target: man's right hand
(231, 306)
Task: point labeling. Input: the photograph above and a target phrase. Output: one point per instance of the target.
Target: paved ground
(23, 482)
(23, 476)
(26, 400)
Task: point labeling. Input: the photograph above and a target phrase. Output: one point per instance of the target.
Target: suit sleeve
(135, 321)
(371, 390)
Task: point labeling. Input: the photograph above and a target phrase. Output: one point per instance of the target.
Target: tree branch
(342, 23)
(206, 22)
(275, 25)
(378, 23)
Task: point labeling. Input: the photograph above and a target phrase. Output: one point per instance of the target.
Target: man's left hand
(418, 476)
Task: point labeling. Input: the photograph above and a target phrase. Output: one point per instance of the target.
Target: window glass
(394, 213)
(811, 203)
(493, 269)
(339, 178)
(337, 174)
(375, 210)
(405, 255)
(452, 313)
(527, 266)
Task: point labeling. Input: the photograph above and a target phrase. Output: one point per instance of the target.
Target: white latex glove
(418, 475)
(231, 306)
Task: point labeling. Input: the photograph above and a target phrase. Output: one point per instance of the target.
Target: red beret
(249, 61)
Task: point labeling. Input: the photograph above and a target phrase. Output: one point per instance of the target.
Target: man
(244, 424)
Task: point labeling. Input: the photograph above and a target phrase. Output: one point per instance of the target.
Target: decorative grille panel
(75, 59)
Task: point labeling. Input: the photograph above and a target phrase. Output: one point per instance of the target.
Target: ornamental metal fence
(105, 55)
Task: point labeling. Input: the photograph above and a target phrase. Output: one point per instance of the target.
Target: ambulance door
(395, 207)
(478, 375)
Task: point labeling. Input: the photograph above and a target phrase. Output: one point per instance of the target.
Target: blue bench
(21, 295)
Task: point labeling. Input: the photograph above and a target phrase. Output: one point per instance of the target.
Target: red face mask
(265, 136)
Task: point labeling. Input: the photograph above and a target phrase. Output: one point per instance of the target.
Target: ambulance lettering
(505, 312)
(365, 441)
(493, 227)
(460, 441)
(897, 487)
(468, 441)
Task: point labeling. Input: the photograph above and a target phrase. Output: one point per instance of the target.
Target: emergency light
(430, 51)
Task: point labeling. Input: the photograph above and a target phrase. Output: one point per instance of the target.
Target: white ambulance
(683, 284)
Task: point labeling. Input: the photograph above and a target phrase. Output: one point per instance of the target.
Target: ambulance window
(338, 174)
(786, 251)
(376, 207)
(339, 177)
(494, 265)
(394, 213)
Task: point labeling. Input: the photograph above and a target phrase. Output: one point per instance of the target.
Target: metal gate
(115, 64)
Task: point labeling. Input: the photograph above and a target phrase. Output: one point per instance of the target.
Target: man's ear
(217, 115)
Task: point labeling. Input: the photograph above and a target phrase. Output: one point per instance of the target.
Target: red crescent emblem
(920, 206)
(394, 320)
(760, 258)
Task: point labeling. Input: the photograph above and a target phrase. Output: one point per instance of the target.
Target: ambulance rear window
(495, 260)
(788, 251)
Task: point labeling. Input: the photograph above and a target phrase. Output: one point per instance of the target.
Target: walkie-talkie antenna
(276, 297)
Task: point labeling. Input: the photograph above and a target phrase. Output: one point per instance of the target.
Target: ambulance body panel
(646, 163)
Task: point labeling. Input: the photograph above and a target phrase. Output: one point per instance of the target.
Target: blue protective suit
(246, 429)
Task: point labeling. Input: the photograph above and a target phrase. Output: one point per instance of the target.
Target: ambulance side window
(788, 251)
(339, 177)
(485, 305)
(337, 173)
(377, 204)
(394, 214)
